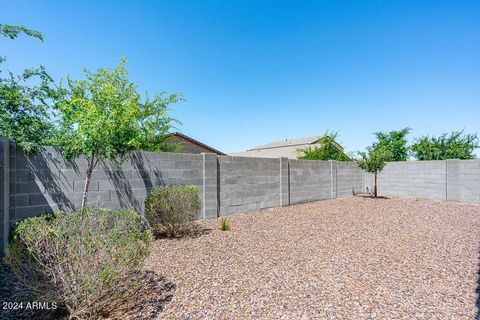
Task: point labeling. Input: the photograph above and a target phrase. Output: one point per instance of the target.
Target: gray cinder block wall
(350, 179)
(310, 181)
(248, 184)
(4, 192)
(209, 186)
(422, 179)
(452, 180)
(47, 182)
(463, 180)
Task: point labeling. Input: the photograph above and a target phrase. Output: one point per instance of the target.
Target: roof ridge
(177, 133)
(288, 142)
(275, 147)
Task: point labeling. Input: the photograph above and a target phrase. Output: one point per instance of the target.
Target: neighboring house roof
(199, 147)
(288, 143)
(284, 148)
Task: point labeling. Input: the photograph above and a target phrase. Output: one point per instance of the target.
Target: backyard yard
(355, 258)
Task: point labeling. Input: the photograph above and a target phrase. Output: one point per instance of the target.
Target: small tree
(395, 142)
(373, 161)
(104, 117)
(455, 145)
(329, 150)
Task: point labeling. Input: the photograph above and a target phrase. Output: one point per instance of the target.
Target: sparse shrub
(88, 260)
(224, 224)
(171, 210)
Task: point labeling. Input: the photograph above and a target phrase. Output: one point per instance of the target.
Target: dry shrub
(85, 261)
(171, 210)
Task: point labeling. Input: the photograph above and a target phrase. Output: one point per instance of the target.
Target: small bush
(171, 210)
(224, 224)
(85, 260)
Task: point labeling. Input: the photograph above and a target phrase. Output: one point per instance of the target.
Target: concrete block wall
(209, 187)
(47, 182)
(420, 179)
(248, 184)
(310, 180)
(463, 180)
(4, 193)
(350, 179)
(452, 180)
(284, 182)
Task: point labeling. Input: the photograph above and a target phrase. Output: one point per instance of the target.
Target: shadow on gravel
(155, 292)
(370, 196)
(15, 297)
(196, 232)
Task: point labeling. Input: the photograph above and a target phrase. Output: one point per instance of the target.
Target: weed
(224, 224)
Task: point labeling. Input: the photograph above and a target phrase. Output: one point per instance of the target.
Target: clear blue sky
(257, 71)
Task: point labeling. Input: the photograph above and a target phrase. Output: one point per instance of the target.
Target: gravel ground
(350, 258)
(156, 292)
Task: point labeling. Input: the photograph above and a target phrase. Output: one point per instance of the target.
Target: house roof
(289, 152)
(288, 143)
(185, 137)
(284, 148)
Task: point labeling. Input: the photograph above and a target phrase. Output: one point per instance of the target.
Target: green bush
(86, 260)
(171, 210)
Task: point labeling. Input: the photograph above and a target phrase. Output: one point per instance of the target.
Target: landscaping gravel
(350, 258)
(148, 303)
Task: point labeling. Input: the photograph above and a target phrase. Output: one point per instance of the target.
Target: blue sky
(257, 71)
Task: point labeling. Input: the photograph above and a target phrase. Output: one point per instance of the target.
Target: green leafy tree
(373, 160)
(329, 150)
(24, 109)
(104, 117)
(25, 100)
(395, 142)
(455, 145)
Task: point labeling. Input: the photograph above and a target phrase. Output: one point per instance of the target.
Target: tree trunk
(375, 186)
(92, 162)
